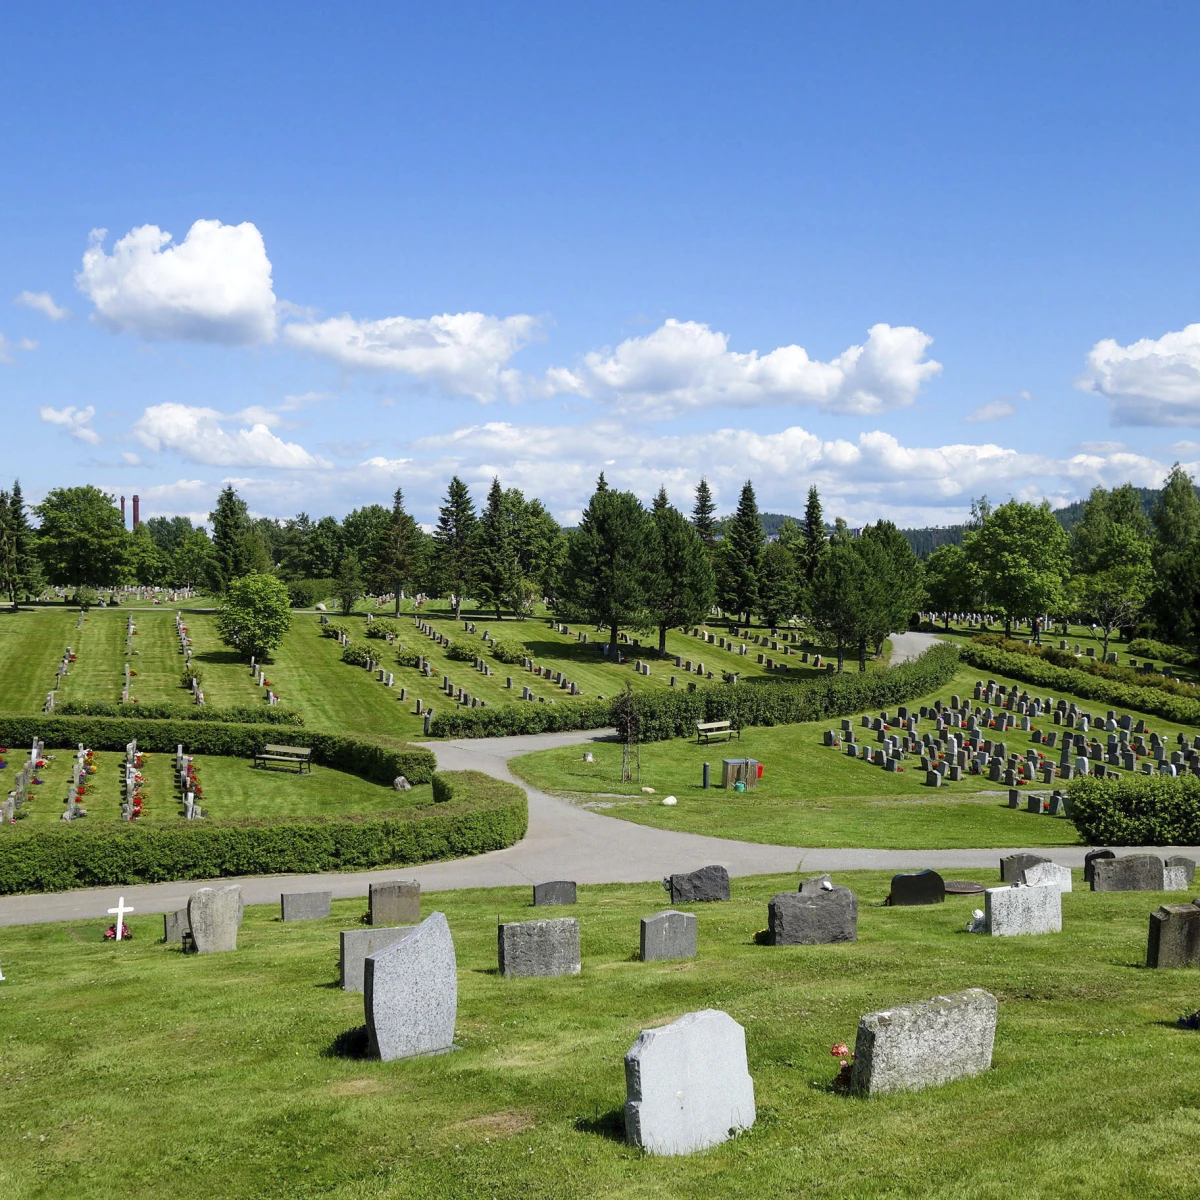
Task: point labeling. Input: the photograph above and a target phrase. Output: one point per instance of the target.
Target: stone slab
(397, 902)
(814, 918)
(694, 887)
(1188, 865)
(1132, 873)
(557, 891)
(304, 906)
(214, 915)
(357, 944)
(1013, 911)
(1012, 866)
(920, 887)
(1089, 859)
(687, 1084)
(1047, 872)
(539, 947)
(410, 993)
(669, 934)
(923, 1045)
(1174, 938)
(175, 925)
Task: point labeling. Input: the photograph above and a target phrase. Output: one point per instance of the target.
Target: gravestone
(1047, 873)
(175, 925)
(410, 993)
(539, 947)
(1089, 861)
(214, 915)
(1174, 939)
(922, 887)
(813, 917)
(1133, 873)
(708, 883)
(1012, 866)
(304, 906)
(922, 1045)
(357, 944)
(397, 902)
(669, 934)
(1013, 911)
(1187, 864)
(558, 891)
(687, 1084)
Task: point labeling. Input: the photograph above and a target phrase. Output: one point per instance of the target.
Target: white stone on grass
(1012, 911)
(1047, 872)
(687, 1084)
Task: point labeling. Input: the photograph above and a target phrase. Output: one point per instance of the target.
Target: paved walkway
(564, 841)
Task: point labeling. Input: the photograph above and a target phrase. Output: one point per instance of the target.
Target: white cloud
(214, 286)
(42, 302)
(463, 353)
(1150, 382)
(75, 421)
(6, 348)
(685, 365)
(199, 435)
(993, 410)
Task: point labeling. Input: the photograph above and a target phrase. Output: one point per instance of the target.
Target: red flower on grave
(840, 1050)
(110, 934)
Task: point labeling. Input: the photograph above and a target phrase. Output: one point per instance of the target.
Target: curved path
(564, 841)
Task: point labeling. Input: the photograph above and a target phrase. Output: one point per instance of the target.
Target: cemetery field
(233, 787)
(135, 1071)
(810, 794)
(31, 646)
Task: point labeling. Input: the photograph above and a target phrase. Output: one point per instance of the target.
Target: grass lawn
(32, 642)
(135, 1071)
(811, 795)
(233, 787)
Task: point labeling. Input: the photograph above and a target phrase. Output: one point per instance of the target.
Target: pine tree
(30, 579)
(497, 571)
(660, 499)
(601, 483)
(400, 552)
(814, 534)
(777, 584)
(741, 557)
(704, 519)
(9, 555)
(455, 543)
(231, 529)
(684, 586)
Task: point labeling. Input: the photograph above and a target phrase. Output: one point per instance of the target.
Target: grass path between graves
(32, 642)
(135, 1071)
(811, 795)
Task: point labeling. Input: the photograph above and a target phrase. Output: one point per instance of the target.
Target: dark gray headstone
(397, 902)
(708, 883)
(1012, 867)
(357, 944)
(539, 947)
(923, 887)
(304, 906)
(1174, 939)
(669, 934)
(175, 925)
(813, 918)
(1090, 858)
(1133, 873)
(557, 891)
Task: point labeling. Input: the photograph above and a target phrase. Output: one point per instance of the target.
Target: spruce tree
(30, 579)
(777, 590)
(1174, 603)
(741, 557)
(684, 585)
(398, 553)
(704, 519)
(497, 570)
(454, 542)
(660, 499)
(10, 579)
(231, 531)
(814, 533)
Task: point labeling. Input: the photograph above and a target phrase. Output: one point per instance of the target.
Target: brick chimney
(137, 520)
(122, 510)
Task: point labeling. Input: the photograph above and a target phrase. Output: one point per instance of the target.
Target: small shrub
(381, 629)
(189, 673)
(1137, 810)
(406, 658)
(511, 653)
(356, 656)
(334, 629)
(460, 653)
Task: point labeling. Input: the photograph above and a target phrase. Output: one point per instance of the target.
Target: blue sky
(907, 253)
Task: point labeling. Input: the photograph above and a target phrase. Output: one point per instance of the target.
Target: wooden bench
(299, 756)
(707, 730)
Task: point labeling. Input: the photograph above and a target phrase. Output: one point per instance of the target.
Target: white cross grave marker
(120, 912)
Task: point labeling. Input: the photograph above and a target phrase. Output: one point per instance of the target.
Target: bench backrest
(711, 725)
(296, 751)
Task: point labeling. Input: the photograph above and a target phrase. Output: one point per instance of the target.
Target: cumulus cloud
(74, 421)
(1151, 381)
(463, 353)
(42, 302)
(993, 410)
(685, 365)
(214, 286)
(199, 435)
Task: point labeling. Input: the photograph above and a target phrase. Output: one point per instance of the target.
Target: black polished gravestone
(708, 883)
(923, 887)
(1089, 860)
(1012, 866)
(557, 891)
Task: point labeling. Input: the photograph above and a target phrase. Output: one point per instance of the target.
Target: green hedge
(382, 628)
(478, 814)
(674, 713)
(1177, 656)
(368, 758)
(1109, 692)
(242, 714)
(356, 656)
(1137, 810)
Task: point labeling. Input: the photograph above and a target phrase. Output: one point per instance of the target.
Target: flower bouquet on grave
(110, 934)
(842, 1052)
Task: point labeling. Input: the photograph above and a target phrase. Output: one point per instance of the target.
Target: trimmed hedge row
(477, 814)
(240, 714)
(1137, 810)
(668, 714)
(1114, 694)
(375, 760)
(1177, 656)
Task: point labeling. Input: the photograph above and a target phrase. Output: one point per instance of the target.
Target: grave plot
(31, 646)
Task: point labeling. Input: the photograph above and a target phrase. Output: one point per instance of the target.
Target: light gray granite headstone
(410, 993)
(669, 934)
(1047, 872)
(304, 906)
(814, 917)
(557, 891)
(1012, 911)
(397, 902)
(358, 943)
(175, 925)
(687, 1085)
(921, 1045)
(1132, 873)
(1188, 865)
(1175, 878)
(539, 947)
(214, 915)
